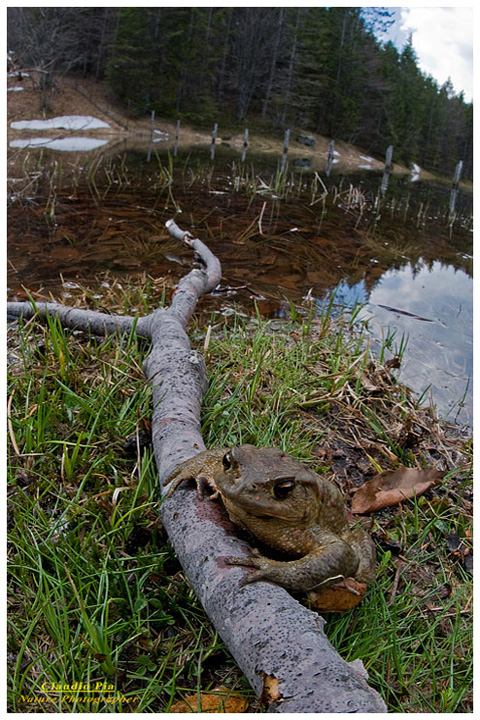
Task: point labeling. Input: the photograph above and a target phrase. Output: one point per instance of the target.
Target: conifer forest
(318, 69)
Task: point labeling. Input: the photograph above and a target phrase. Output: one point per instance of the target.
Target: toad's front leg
(201, 468)
(333, 560)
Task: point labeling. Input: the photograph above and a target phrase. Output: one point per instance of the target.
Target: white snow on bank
(165, 135)
(415, 174)
(68, 144)
(366, 158)
(15, 89)
(66, 122)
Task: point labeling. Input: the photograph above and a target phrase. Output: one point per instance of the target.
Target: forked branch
(279, 644)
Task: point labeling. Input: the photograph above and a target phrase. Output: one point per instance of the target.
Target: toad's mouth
(258, 508)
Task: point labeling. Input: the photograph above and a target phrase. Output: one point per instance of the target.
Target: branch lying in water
(279, 644)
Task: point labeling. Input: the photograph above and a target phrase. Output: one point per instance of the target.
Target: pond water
(428, 309)
(279, 237)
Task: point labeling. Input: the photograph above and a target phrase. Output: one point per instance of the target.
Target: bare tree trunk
(221, 77)
(279, 644)
(291, 64)
(273, 63)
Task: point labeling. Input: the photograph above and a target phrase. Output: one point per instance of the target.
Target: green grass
(418, 644)
(95, 594)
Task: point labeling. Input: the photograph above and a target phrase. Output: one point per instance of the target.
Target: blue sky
(442, 38)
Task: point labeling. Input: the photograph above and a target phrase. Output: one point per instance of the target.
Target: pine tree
(135, 64)
(317, 68)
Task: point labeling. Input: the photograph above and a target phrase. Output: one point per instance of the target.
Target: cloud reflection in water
(439, 328)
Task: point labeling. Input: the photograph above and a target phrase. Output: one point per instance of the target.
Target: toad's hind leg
(364, 548)
(333, 560)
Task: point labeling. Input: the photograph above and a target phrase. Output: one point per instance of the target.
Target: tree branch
(87, 320)
(279, 644)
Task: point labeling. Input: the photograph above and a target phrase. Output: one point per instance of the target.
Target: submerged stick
(279, 644)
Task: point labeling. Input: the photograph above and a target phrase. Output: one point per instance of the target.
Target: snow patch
(15, 89)
(164, 136)
(68, 144)
(65, 122)
(415, 173)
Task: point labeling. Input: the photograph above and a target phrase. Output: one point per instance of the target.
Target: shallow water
(410, 270)
(428, 306)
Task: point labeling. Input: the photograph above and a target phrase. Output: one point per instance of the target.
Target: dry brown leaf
(219, 700)
(270, 692)
(369, 386)
(340, 597)
(64, 253)
(392, 488)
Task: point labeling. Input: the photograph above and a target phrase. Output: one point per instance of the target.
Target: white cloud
(443, 41)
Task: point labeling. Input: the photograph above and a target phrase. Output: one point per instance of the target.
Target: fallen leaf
(468, 564)
(369, 386)
(454, 542)
(339, 597)
(64, 253)
(270, 694)
(394, 362)
(445, 591)
(219, 700)
(393, 487)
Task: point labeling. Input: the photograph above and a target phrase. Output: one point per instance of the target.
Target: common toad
(288, 508)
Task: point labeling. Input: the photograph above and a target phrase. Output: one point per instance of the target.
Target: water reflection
(430, 306)
(404, 259)
(65, 144)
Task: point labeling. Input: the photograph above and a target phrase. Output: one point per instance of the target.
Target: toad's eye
(283, 488)
(227, 461)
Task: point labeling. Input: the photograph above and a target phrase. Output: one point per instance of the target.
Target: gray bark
(88, 320)
(279, 644)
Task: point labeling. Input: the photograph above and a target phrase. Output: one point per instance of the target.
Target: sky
(442, 38)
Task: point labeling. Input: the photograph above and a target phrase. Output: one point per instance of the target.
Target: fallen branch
(279, 644)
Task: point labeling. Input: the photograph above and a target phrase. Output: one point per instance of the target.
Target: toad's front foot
(201, 483)
(193, 469)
